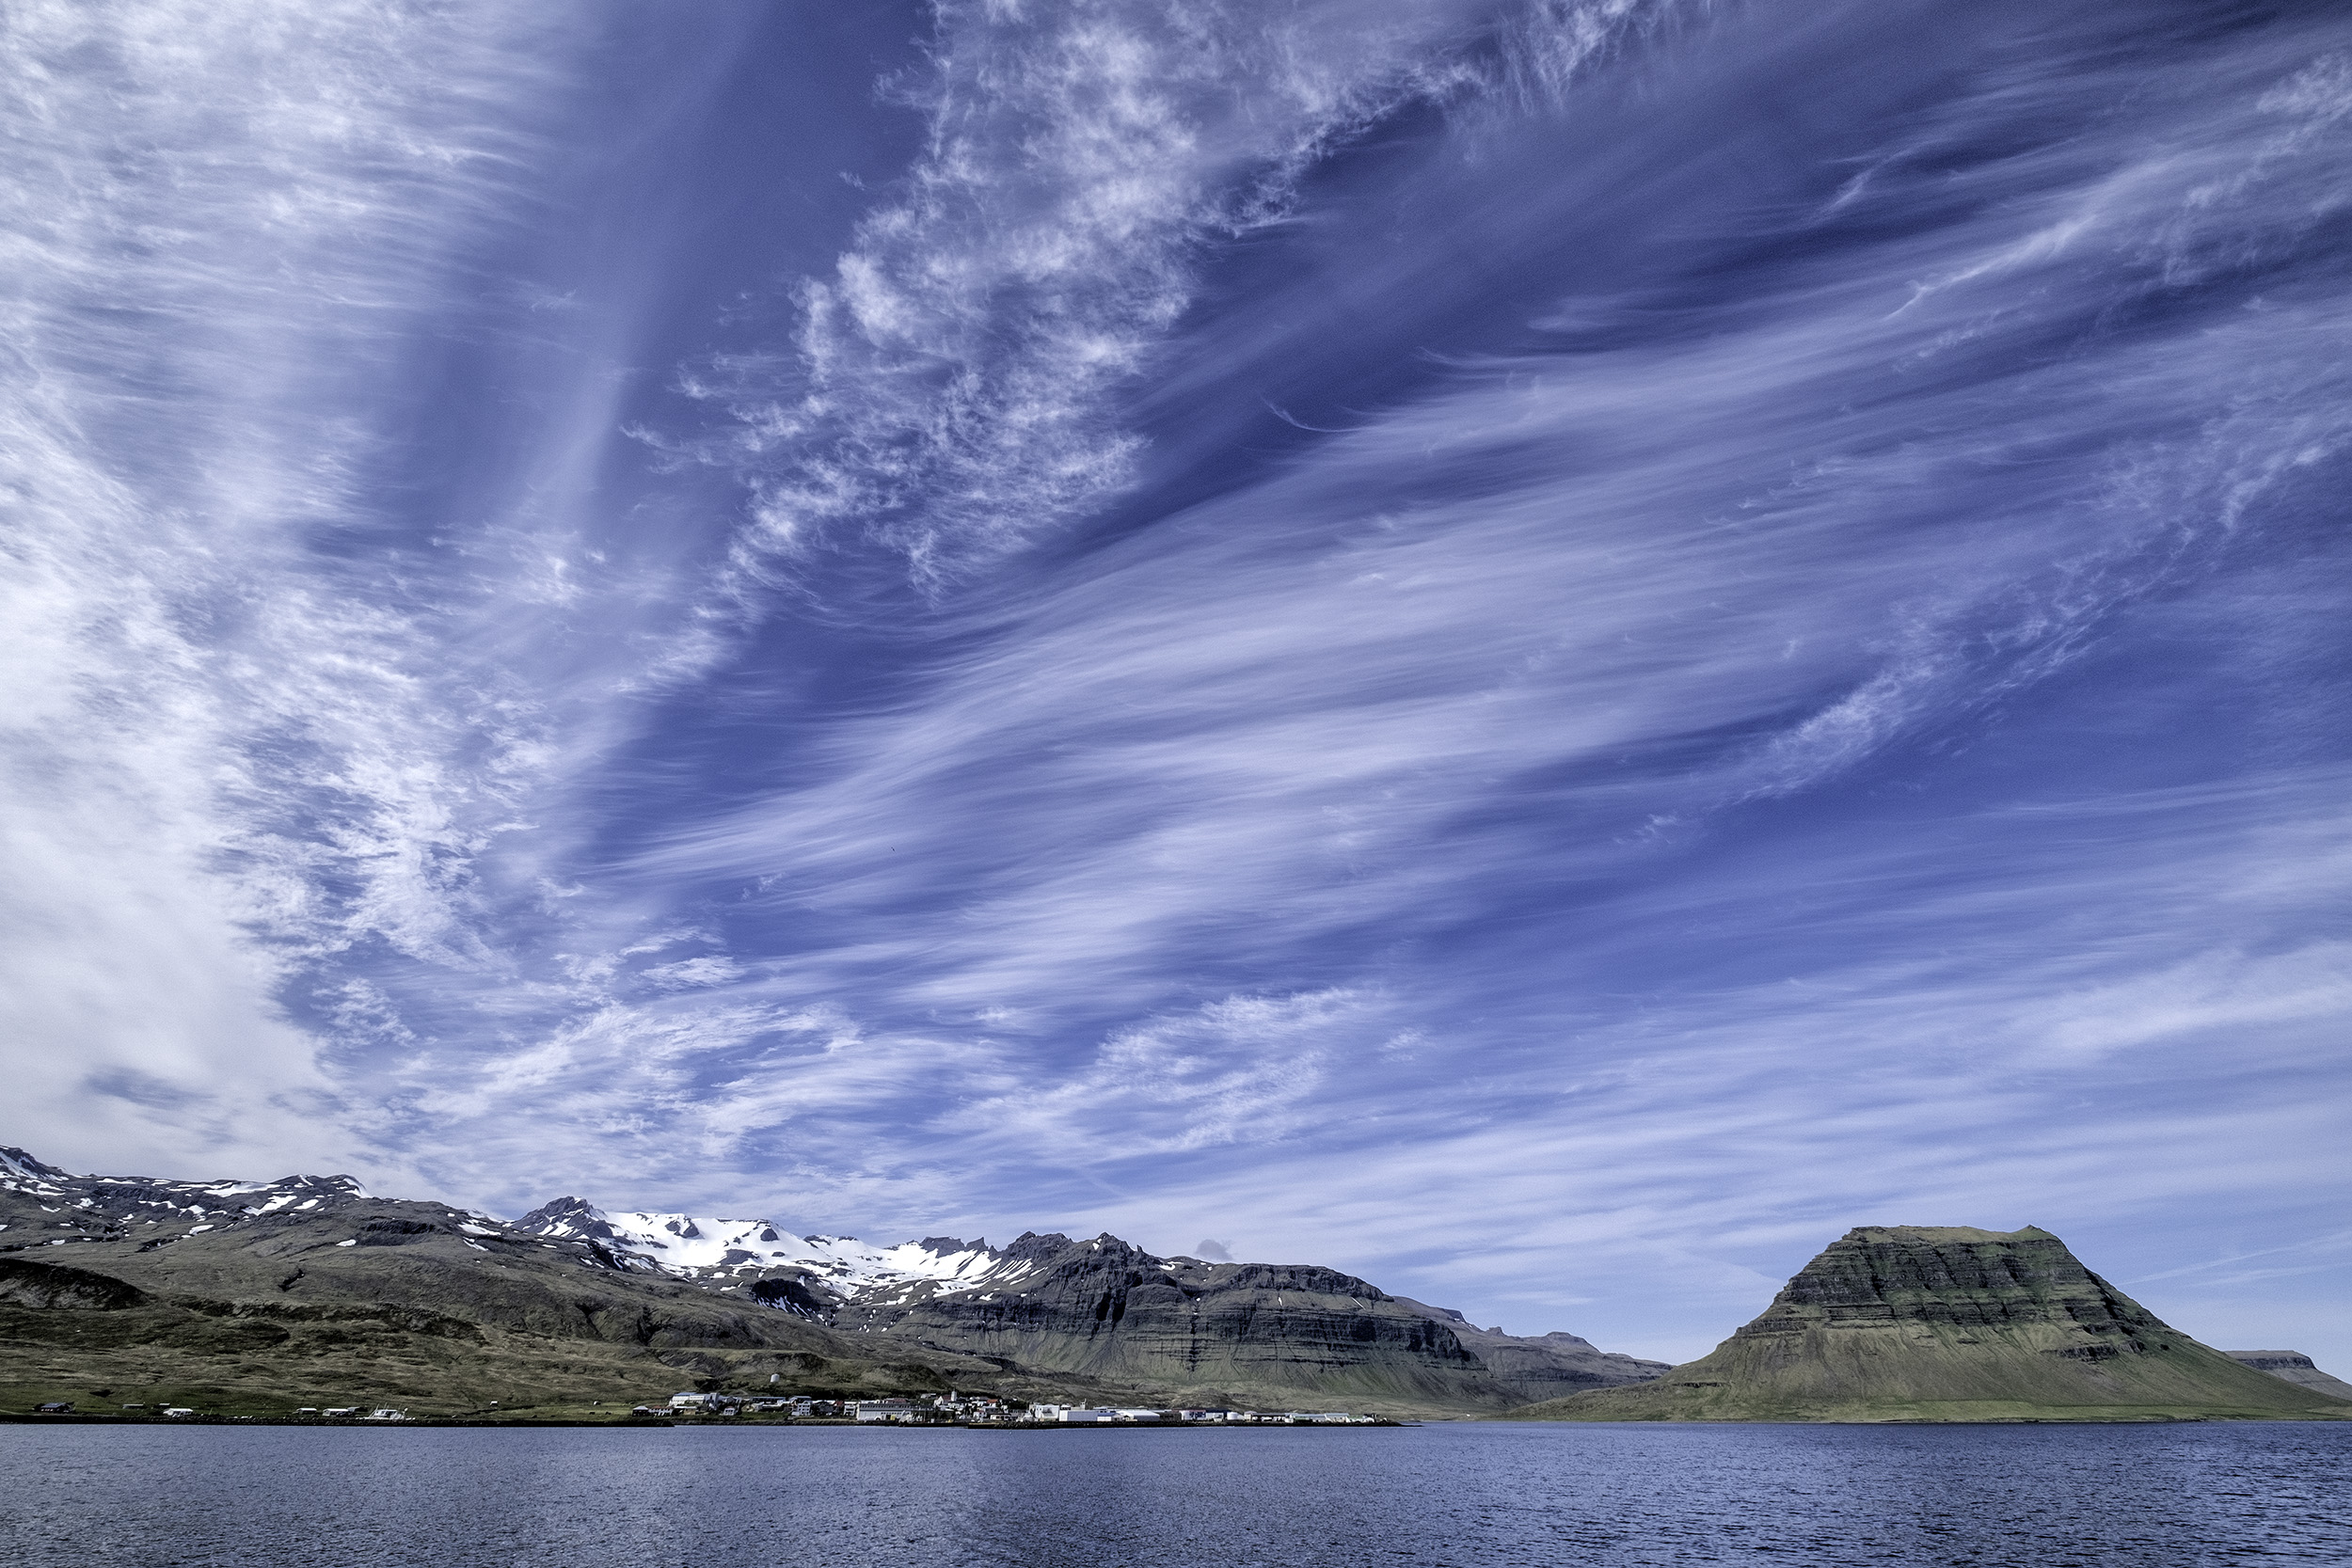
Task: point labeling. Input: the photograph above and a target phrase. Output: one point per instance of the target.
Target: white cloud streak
(952, 392)
(218, 217)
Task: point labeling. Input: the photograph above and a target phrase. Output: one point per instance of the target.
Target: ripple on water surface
(1468, 1494)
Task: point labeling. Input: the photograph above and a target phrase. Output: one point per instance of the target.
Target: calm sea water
(2047, 1498)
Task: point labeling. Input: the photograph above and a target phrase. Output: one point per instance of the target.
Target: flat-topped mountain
(1951, 1324)
(2295, 1367)
(309, 1290)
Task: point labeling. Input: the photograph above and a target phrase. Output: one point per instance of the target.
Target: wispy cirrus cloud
(952, 392)
(230, 722)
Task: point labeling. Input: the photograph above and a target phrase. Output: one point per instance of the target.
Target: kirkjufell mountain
(1952, 1323)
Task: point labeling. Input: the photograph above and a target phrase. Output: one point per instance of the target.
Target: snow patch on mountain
(22, 1173)
(843, 1267)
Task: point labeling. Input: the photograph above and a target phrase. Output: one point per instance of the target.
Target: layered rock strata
(1228, 1332)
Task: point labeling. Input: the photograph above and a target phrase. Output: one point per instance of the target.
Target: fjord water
(2103, 1496)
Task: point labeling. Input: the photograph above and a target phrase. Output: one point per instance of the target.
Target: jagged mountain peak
(16, 1164)
(22, 1172)
(953, 1243)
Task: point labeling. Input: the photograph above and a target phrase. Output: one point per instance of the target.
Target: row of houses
(929, 1410)
(342, 1412)
(1096, 1414)
(955, 1408)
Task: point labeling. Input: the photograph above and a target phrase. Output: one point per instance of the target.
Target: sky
(1546, 650)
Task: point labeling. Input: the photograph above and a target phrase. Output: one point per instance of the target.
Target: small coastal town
(941, 1410)
(954, 1409)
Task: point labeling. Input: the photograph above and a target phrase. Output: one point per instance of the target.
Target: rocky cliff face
(1915, 1322)
(1219, 1333)
(1247, 1332)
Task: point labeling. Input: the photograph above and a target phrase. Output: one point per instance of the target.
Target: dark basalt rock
(53, 1286)
(576, 1213)
(399, 1232)
(791, 1293)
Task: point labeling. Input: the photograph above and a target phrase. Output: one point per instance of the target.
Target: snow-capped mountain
(835, 1269)
(154, 1199)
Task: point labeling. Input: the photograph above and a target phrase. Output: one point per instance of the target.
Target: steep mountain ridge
(1950, 1323)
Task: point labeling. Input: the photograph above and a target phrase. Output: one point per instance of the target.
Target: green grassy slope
(279, 1311)
(1951, 1324)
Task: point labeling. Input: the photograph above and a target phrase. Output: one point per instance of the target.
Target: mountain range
(311, 1290)
(254, 1295)
(1104, 1309)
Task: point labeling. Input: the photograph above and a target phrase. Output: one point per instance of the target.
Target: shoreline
(14, 1418)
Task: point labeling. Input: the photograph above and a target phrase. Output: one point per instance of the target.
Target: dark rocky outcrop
(575, 1216)
(57, 1287)
(1917, 1323)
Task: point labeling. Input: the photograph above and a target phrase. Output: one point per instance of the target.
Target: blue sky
(1546, 650)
